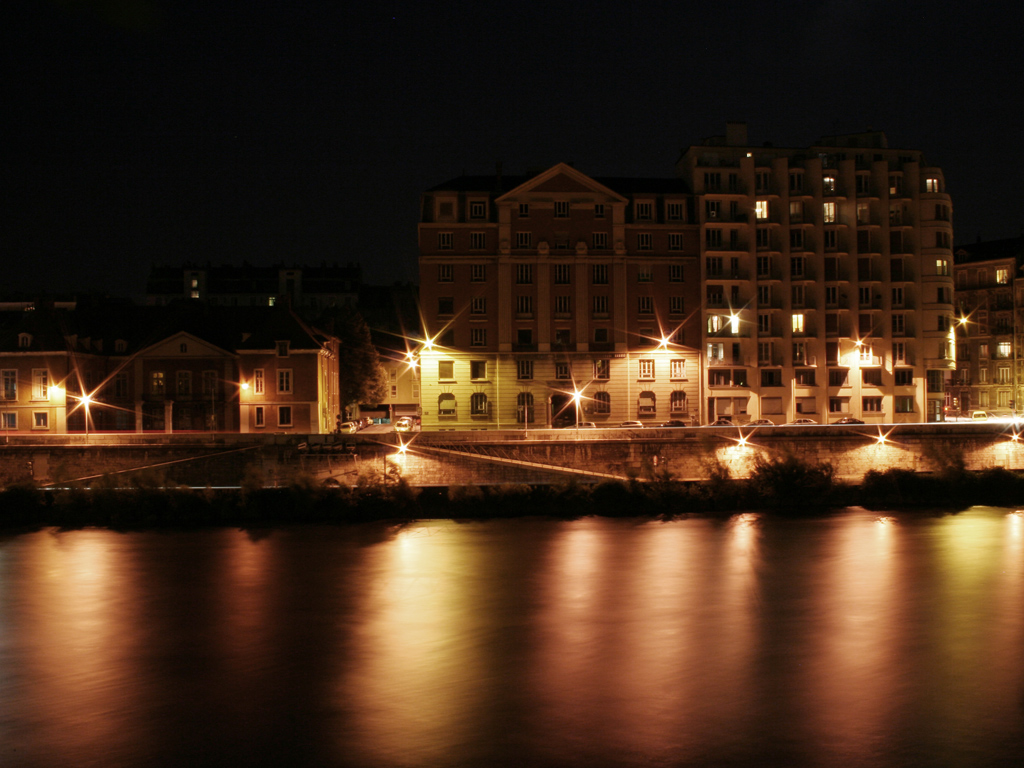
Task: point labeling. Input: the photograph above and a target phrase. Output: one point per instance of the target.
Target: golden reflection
(419, 676)
(79, 610)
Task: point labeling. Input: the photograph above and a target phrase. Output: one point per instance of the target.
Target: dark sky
(141, 132)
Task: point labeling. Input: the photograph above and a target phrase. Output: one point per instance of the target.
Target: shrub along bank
(785, 486)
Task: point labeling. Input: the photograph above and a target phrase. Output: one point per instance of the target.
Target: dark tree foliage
(361, 378)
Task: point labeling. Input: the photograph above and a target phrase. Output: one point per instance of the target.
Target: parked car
(673, 423)
(587, 425)
(403, 424)
(979, 416)
(802, 422)
(848, 420)
(632, 424)
(722, 422)
(348, 427)
(762, 423)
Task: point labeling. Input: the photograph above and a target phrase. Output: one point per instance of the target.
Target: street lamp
(86, 401)
(576, 397)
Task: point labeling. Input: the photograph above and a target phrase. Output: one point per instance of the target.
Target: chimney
(735, 134)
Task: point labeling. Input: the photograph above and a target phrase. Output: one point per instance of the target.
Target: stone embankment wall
(477, 458)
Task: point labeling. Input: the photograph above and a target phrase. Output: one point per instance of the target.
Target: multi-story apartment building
(762, 282)
(989, 374)
(558, 297)
(827, 274)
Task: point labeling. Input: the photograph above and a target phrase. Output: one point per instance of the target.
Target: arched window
(647, 405)
(24, 340)
(524, 408)
(602, 402)
(677, 401)
(446, 404)
(478, 404)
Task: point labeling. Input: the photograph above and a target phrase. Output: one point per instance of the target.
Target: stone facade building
(760, 282)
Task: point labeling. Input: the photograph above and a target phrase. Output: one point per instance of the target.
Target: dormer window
(183, 348)
(477, 209)
(282, 349)
(24, 340)
(120, 345)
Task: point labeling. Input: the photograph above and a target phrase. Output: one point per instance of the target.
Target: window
(871, 404)
(644, 274)
(445, 273)
(478, 337)
(798, 295)
(903, 377)
(1003, 349)
(764, 324)
(183, 383)
(600, 240)
(563, 371)
(895, 184)
(646, 369)
(798, 322)
(445, 369)
(524, 336)
(1002, 275)
(796, 181)
(477, 240)
(598, 210)
(477, 306)
(796, 211)
(284, 415)
(524, 274)
(838, 377)
(677, 401)
(931, 185)
(446, 404)
(677, 369)
(524, 370)
(9, 385)
(284, 380)
(524, 305)
(40, 384)
(477, 369)
(477, 209)
(445, 241)
(713, 238)
(983, 375)
(643, 211)
(871, 377)
(599, 274)
(478, 404)
(771, 377)
(478, 273)
(715, 296)
(898, 325)
(832, 295)
(796, 239)
(674, 211)
(761, 210)
(863, 183)
(942, 239)
(829, 213)
(524, 210)
(675, 305)
(712, 181)
(561, 209)
(602, 369)
(716, 351)
(40, 420)
(10, 420)
(839, 405)
(897, 297)
(904, 403)
(675, 273)
(563, 305)
(828, 185)
(602, 403)
(523, 239)
(805, 377)
(647, 404)
(258, 418)
(600, 335)
(563, 274)
(645, 305)
(799, 353)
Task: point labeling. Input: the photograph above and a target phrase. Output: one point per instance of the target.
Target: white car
(404, 424)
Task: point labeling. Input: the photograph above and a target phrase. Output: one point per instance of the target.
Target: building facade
(761, 282)
(989, 296)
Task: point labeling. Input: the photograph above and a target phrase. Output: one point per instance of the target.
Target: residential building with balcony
(827, 277)
(989, 295)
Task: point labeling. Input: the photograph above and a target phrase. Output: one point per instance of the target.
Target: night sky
(141, 132)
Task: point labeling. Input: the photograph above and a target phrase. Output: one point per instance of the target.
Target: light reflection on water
(851, 640)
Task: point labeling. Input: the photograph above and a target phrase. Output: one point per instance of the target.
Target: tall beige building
(827, 278)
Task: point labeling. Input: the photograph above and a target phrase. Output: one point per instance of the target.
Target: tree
(361, 378)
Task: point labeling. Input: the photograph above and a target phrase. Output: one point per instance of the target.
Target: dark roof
(622, 184)
(1009, 248)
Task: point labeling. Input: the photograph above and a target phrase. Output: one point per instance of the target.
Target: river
(850, 640)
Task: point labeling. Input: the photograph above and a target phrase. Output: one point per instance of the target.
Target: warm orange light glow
(56, 392)
(245, 385)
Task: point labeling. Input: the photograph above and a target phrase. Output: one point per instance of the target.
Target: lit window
(828, 185)
(931, 185)
(829, 213)
(798, 322)
(1002, 275)
(942, 267)
(761, 210)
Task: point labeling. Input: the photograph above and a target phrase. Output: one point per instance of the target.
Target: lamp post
(86, 400)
